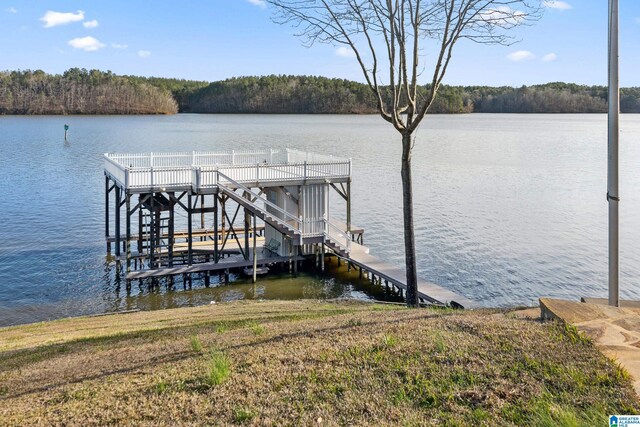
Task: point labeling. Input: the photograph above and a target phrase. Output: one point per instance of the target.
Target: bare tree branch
(397, 29)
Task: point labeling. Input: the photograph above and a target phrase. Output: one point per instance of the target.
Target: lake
(508, 207)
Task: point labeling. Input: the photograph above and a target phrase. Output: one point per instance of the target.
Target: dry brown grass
(305, 363)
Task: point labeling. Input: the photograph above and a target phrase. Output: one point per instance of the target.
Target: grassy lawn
(306, 363)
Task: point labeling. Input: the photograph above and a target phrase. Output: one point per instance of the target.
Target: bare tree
(386, 37)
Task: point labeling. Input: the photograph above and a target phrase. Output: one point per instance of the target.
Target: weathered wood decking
(221, 265)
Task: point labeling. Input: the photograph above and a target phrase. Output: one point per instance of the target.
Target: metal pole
(613, 135)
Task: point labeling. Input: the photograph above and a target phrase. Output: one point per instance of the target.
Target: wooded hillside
(303, 94)
(78, 91)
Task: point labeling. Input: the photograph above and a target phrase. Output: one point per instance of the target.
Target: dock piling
(107, 190)
(255, 252)
(117, 231)
(128, 231)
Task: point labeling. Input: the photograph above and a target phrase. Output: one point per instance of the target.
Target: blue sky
(216, 39)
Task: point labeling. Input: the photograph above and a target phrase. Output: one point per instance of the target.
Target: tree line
(309, 94)
(81, 91)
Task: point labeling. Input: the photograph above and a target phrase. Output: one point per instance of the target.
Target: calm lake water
(508, 207)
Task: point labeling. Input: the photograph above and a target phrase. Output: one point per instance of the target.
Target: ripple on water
(502, 216)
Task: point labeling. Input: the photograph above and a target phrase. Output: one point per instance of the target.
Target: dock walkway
(427, 291)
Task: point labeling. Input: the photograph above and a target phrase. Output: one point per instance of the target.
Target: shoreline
(482, 113)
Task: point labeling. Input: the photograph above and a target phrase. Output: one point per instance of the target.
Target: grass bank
(306, 363)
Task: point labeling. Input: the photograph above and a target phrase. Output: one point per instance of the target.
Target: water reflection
(173, 292)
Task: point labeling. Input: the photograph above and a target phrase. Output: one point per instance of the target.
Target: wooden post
(202, 224)
(290, 254)
(117, 209)
(316, 255)
(128, 225)
(247, 225)
(322, 257)
(349, 205)
(152, 234)
(255, 252)
(171, 228)
(140, 224)
(106, 211)
(189, 230)
(216, 256)
(223, 216)
(295, 251)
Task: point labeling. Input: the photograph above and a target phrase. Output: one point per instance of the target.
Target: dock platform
(205, 267)
(199, 212)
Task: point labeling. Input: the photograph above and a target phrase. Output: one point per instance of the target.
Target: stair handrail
(277, 208)
(329, 225)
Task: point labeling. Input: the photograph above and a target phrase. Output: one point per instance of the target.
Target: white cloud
(556, 4)
(345, 52)
(521, 55)
(88, 44)
(53, 19)
(119, 46)
(144, 53)
(259, 3)
(502, 16)
(90, 24)
(549, 57)
(12, 10)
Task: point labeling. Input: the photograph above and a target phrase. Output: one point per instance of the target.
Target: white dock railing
(336, 234)
(199, 170)
(313, 227)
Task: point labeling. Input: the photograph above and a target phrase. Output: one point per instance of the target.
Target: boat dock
(201, 212)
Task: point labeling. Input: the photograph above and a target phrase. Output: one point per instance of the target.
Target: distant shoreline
(95, 92)
(304, 114)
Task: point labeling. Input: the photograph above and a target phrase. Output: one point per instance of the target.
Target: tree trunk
(409, 236)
